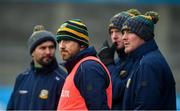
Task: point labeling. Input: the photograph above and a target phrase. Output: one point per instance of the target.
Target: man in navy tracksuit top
(106, 54)
(150, 84)
(39, 87)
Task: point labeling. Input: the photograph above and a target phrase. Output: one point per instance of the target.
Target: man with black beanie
(39, 87)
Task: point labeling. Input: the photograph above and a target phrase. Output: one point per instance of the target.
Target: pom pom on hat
(154, 16)
(134, 12)
(38, 28)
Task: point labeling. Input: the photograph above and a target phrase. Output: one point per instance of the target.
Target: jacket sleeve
(92, 81)
(117, 84)
(149, 87)
(11, 103)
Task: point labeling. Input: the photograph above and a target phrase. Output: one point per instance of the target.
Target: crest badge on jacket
(44, 94)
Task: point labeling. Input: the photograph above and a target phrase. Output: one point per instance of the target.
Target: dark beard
(44, 64)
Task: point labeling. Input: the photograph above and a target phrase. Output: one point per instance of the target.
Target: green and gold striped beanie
(73, 30)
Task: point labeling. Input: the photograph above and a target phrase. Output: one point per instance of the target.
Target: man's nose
(48, 50)
(114, 36)
(61, 45)
(124, 37)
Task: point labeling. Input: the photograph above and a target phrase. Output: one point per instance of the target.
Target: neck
(37, 65)
(122, 55)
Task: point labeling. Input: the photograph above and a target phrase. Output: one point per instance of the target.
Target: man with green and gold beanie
(88, 85)
(73, 30)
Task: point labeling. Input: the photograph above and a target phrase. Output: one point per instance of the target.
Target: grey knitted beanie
(39, 36)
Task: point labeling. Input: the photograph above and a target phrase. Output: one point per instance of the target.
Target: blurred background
(18, 17)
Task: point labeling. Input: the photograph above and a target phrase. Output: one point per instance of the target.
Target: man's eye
(42, 48)
(123, 32)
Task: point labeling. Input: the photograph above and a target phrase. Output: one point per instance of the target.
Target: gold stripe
(74, 32)
(79, 23)
(74, 38)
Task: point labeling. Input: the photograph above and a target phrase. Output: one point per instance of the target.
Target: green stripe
(77, 25)
(73, 27)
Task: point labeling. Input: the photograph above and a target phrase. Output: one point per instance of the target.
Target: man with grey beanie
(39, 87)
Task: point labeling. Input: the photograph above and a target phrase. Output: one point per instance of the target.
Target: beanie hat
(142, 25)
(73, 30)
(39, 36)
(117, 20)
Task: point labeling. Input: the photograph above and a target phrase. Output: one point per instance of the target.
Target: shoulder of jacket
(150, 57)
(25, 72)
(23, 75)
(90, 62)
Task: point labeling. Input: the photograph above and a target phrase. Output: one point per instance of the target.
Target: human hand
(106, 53)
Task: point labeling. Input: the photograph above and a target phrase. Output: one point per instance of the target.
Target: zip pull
(128, 83)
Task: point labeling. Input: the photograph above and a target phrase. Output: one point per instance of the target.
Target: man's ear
(82, 47)
(32, 55)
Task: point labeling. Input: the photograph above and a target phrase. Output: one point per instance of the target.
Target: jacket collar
(90, 51)
(121, 54)
(45, 69)
(143, 49)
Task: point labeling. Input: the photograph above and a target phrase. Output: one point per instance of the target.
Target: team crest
(123, 74)
(43, 94)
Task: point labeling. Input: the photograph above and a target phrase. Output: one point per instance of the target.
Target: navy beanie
(142, 25)
(39, 36)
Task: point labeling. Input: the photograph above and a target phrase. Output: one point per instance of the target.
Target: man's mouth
(115, 43)
(126, 44)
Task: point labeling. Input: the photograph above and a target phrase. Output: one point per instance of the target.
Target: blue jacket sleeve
(11, 103)
(92, 81)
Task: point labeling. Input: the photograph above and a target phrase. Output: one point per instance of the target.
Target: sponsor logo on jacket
(65, 93)
(23, 91)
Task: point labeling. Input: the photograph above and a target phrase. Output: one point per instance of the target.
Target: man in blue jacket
(88, 84)
(39, 87)
(150, 85)
(106, 54)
